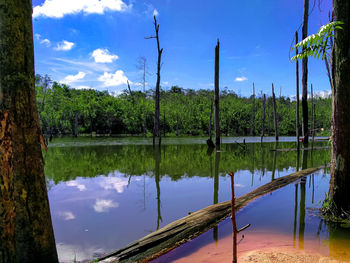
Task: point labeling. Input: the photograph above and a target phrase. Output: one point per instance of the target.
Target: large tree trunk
(217, 95)
(26, 233)
(305, 119)
(340, 169)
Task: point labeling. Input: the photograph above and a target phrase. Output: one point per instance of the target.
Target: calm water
(106, 193)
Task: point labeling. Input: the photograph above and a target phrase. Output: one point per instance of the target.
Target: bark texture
(340, 169)
(26, 233)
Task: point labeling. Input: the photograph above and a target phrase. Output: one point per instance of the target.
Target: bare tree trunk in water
(274, 112)
(252, 117)
(340, 162)
(26, 233)
(156, 130)
(305, 128)
(217, 95)
(75, 124)
(263, 118)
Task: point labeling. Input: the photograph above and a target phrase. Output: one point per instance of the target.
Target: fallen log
(191, 226)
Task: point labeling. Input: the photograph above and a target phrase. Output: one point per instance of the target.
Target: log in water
(191, 226)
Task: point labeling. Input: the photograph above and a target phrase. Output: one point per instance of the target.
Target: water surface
(106, 193)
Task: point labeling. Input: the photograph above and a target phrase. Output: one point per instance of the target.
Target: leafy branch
(317, 44)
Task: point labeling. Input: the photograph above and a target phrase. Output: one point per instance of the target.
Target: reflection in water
(274, 161)
(216, 188)
(295, 213)
(302, 213)
(274, 234)
(157, 154)
(103, 197)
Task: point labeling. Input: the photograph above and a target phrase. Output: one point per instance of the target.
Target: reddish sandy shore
(270, 248)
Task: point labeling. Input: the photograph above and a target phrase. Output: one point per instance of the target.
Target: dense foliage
(132, 113)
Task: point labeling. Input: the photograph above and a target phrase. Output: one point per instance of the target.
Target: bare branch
(150, 37)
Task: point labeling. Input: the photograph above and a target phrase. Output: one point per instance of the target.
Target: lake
(107, 192)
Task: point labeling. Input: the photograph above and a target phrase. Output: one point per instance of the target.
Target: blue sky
(97, 43)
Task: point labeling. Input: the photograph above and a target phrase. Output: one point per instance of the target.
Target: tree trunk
(177, 124)
(252, 117)
(274, 112)
(217, 95)
(75, 124)
(156, 131)
(340, 166)
(26, 233)
(210, 118)
(263, 118)
(297, 121)
(305, 128)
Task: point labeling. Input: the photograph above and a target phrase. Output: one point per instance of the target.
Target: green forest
(182, 112)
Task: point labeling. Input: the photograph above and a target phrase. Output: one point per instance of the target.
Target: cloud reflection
(103, 205)
(81, 187)
(116, 183)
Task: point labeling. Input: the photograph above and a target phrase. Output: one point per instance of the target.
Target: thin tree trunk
(297, 121)
(164, 124)
(275, 113)
(210, 118)
(312, 111)
(217, 95)
(26, 233)
(263, 118)
(156, 131)
(75, 124)
(305, 128)
(340, 162)
(252, 117)
(177, 124)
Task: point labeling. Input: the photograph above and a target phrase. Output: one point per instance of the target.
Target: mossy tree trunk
(340, 169)
(26, 233)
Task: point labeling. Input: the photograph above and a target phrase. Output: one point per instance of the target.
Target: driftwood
(191, 226)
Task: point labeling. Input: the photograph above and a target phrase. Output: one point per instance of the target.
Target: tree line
(67, 111)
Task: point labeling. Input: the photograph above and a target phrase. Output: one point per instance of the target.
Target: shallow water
(106, 193)
(284, 221)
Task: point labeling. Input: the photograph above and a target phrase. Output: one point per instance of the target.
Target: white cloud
(116, 79)
(116, 183)
(240, 79)
(65, 45)
(67, 215)
(165, 83)
(103, 205)
(46, 42)
(37, 36)
(81, 187)
(103, 56)
(73, 78)
(60, 8)
(155, 12)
